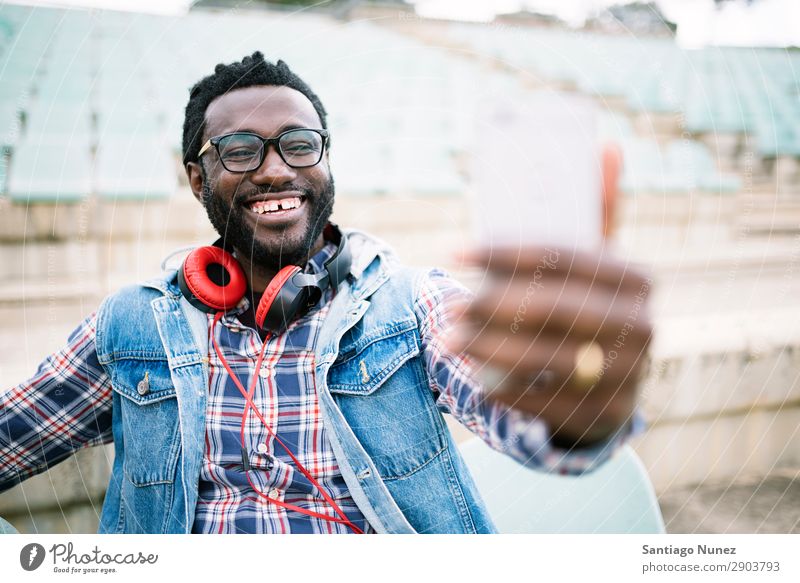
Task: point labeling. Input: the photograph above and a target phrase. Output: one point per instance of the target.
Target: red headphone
(213, 281)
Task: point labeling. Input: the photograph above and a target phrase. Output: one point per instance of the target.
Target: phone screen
(535, 172)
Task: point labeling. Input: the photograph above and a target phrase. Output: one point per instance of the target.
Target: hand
(546, 309)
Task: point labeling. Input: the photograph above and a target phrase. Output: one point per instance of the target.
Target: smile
(280, 206)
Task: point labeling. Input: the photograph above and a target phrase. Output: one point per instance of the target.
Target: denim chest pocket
(149, 416)
(380, 385)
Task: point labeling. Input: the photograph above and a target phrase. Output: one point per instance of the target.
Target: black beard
(228, 221)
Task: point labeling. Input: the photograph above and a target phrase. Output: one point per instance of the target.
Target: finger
(596, 313)
(514, 354)
(612, 169)
(549, 262)
(523, 358)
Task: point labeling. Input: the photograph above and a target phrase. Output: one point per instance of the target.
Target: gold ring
(588, 365)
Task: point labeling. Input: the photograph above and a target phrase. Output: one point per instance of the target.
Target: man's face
(233, 200)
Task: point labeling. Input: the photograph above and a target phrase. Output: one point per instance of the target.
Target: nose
(273, 170)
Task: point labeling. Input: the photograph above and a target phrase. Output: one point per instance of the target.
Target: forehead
(264, 109)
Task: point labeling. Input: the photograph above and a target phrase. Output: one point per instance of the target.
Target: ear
(195, 174)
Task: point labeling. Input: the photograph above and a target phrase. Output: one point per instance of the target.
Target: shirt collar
(315, 264)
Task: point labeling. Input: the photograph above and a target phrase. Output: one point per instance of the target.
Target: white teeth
(290, 203)
(267, 206)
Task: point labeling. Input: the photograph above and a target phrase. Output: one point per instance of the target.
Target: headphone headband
(338, 266)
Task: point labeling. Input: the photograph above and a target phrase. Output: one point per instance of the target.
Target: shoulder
(136, 296)
(130, 309)
(369, 252)
(422, 282)
(437, 284)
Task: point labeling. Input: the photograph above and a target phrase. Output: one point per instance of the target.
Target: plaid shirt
(67, 405)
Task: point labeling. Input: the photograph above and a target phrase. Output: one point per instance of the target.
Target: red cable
(248, 395)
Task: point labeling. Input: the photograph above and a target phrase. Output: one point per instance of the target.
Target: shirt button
(262, 448)
(274, 494)
(264, 372)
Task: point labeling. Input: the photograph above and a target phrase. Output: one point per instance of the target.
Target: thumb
(611, 164)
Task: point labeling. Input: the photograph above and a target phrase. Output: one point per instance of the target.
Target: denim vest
(391, 443)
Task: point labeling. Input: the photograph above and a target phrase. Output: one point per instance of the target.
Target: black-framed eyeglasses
(245, 151)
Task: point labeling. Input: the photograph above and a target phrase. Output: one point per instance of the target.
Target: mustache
(244, 196)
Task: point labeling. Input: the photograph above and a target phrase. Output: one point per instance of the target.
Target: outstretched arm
(64, 407)
(526, 437)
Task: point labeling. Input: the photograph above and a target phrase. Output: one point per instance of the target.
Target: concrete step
(750, 504)
(720, 447)
(67, 498)
(179, 216)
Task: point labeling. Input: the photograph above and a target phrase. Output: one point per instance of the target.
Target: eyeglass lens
(245, 152)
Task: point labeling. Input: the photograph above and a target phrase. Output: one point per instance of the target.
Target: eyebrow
(282, 129)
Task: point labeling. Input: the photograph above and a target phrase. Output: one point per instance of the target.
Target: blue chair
(48, 170)
(136, 167)
(616, 498)
(6, 528)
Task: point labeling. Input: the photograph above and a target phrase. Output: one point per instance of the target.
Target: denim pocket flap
(142, 381)
(363, 366)
(148, 414)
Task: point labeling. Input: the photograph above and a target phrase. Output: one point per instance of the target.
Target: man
(334, 423)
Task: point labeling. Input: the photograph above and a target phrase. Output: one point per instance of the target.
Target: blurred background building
(93, 195)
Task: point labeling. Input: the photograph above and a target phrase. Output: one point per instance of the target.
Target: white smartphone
(536, 172)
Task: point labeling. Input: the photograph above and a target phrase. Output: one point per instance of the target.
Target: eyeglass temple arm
(205, 147)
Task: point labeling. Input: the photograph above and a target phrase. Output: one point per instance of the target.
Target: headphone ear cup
(203, 292)
(276, 310)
